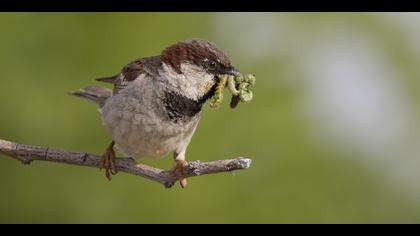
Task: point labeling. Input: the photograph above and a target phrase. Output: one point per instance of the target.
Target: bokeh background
(333, 129)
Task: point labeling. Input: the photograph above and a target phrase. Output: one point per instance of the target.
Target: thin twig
(28, 153)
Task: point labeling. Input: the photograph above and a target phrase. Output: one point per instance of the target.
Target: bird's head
(193, 67)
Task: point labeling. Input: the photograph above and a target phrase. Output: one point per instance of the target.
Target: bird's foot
(107, 162)
(179, 171)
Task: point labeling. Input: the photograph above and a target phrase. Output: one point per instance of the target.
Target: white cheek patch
(206, 87)
(194, 82)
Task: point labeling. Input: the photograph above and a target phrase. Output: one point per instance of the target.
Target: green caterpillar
(239, 87)
(218, 94)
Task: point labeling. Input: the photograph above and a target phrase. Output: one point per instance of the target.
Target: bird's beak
(232, 71)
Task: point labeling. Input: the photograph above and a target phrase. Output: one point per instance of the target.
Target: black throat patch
(179, 107)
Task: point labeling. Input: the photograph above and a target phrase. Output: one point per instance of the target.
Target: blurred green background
(333, 129)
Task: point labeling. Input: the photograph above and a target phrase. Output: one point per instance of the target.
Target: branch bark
(28, 153)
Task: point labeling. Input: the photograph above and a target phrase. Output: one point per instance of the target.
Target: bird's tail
(94, 94)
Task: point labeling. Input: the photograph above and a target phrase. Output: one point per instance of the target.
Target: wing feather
(132, 71)
(110, 79)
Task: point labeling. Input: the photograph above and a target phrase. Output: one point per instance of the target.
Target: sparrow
(156, 102)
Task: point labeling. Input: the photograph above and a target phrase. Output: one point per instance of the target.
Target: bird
(156, 102)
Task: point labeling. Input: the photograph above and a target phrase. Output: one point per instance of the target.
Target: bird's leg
(179, 168)
(107, 161)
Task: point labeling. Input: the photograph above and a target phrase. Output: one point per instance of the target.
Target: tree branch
(28, 153)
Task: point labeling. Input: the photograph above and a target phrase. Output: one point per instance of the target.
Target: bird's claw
(107, 162)
(178, 172)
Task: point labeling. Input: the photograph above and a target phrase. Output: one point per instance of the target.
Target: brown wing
(132, 71)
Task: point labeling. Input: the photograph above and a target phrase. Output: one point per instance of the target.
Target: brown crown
(193, 51)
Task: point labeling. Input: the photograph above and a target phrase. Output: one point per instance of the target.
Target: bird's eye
(212, 65)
